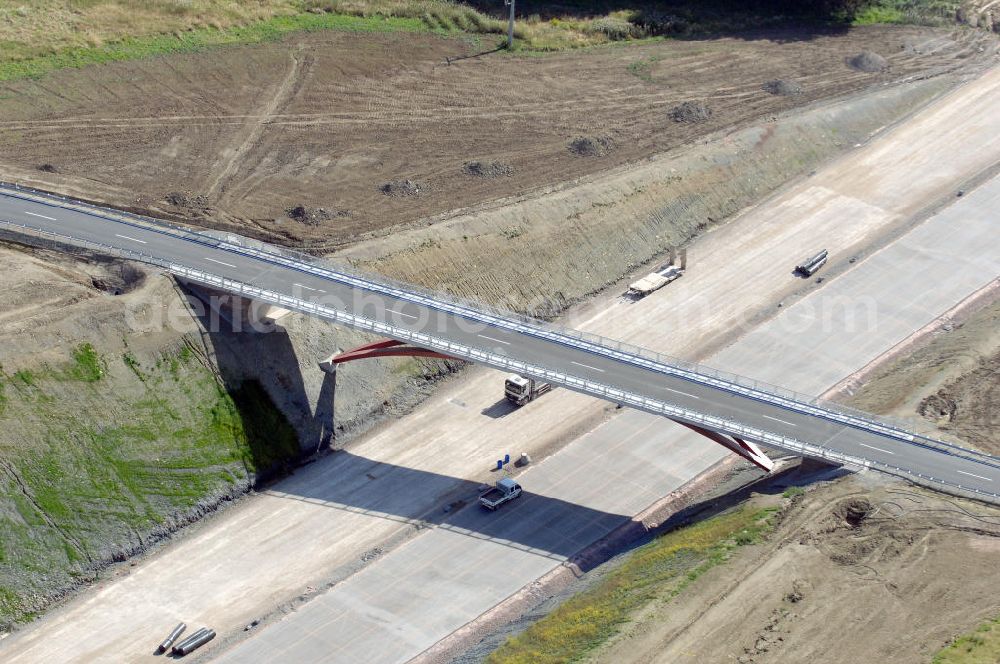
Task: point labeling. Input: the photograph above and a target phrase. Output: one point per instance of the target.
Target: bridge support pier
(745, 449)
(383, 348)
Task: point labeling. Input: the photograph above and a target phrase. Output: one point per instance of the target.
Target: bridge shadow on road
(350, 483)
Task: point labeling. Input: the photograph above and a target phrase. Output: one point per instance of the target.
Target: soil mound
(47, 168)
(868, 62)
(690, 111)
(592, 146)
(488, 169)
(313, 216)
(938, 407)
(182, 200)
(782, 88)
(397, 188)
(122, 279)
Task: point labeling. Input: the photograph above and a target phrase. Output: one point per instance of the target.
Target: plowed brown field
(237, 136)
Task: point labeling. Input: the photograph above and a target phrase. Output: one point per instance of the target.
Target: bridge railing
(621, 351)
(505, 363)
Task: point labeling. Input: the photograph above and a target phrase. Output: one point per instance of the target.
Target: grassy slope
(106, 455)
(979, 647)
(657, 571)
(39, 36)
(70, 55)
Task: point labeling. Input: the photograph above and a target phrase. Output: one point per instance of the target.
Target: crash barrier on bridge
(628, 353)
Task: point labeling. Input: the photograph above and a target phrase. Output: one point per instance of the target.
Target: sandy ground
(947, 384)
(287, 547)
(857, 571)
(239, 135)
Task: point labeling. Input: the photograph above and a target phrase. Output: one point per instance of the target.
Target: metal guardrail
(620, 351)
(505, 363)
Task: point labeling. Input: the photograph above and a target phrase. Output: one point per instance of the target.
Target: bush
(614, 29)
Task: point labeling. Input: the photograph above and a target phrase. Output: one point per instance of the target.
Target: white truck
(519, 390)
(655, 281)
(505, 490)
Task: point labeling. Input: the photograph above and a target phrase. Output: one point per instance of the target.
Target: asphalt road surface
(971, 471)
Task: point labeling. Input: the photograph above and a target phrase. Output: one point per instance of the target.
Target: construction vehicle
(519, 390)
(654, 281)
(808, 267)
(505, 490)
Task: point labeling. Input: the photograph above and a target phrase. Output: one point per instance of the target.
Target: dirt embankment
(950, 384)
(126, 413)
(870, 572)
(542, 253)
(869, 568)
(239, 136)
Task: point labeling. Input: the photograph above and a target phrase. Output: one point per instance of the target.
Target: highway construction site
(158, 467)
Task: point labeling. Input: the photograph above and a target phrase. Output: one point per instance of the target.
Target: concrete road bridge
(730, 410)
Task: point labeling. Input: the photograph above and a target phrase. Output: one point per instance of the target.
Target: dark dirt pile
(398, 188)
(314, 216)
(782, 87)
(119, 279)
(938, 407)
(690, 111)
(590, 146)
(182, 200)
(488, 169)
(868, 62)
(47, 168)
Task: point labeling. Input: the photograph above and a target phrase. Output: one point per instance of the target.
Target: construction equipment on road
(519, 390)
(808, 267)
(505, 490)
(655, 281)
(193, 642)
(169, 641)
(187, 645)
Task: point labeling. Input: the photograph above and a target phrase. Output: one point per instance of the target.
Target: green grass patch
(979, 647)
(87, 366)
(876, 14)
(659, 570)
(133, 48)
(793, 491)
(924, 12)
(25, 377)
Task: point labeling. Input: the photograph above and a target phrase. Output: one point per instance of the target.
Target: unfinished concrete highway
(727, 404)
(299, 535)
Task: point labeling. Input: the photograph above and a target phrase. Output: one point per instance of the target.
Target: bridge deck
(585, 364)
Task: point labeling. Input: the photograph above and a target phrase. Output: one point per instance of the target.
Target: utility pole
(510, 25)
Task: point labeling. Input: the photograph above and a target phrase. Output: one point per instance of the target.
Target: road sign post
(510, 25)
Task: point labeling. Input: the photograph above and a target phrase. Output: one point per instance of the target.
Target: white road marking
(219, 262)
(400, 313)
(40, 215)
(791, 424)
(988, 479)
(879, 449)
(499, 341)
(126, 237)
(693, 396)
(587, 366)
(306, 287)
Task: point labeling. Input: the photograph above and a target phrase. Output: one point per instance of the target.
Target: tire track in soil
(244, 154)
